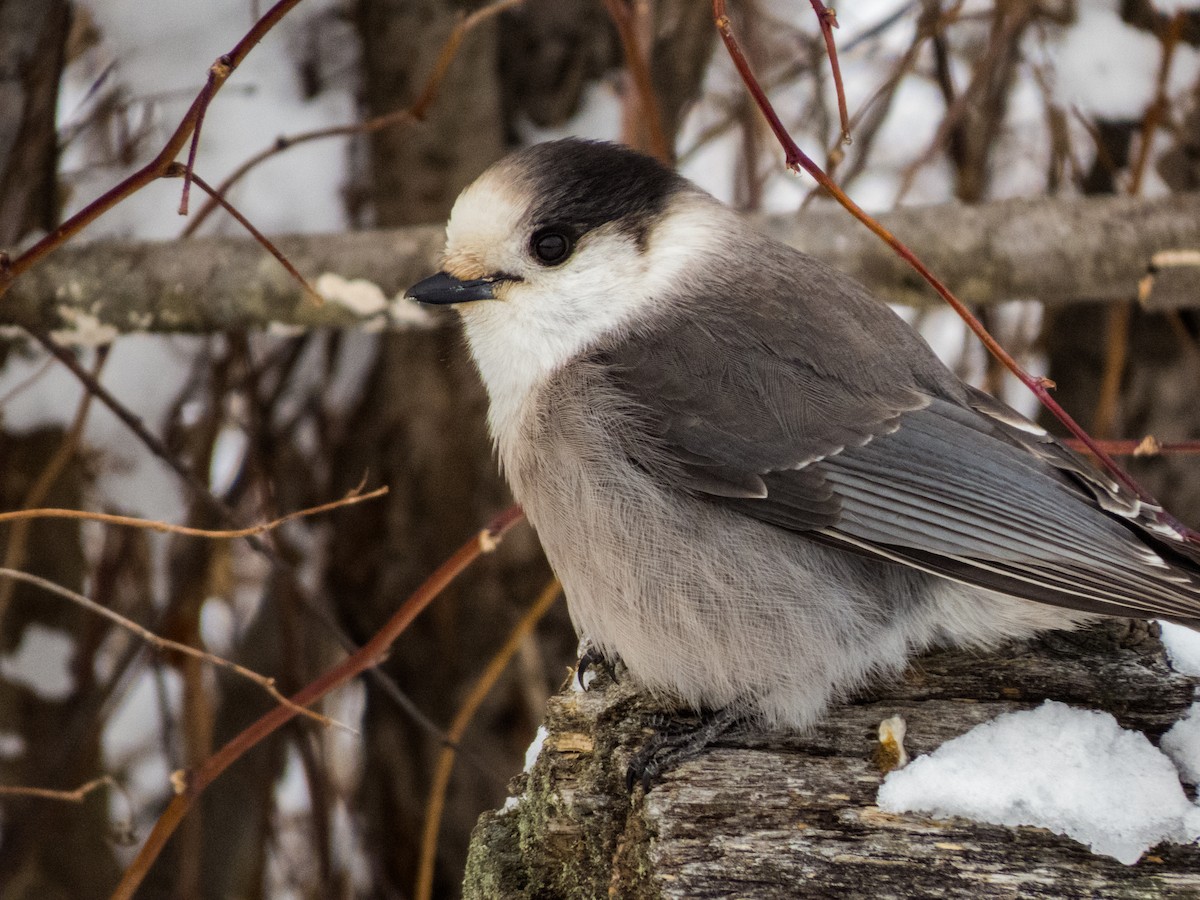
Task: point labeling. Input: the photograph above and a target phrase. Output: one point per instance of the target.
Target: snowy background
(1110, 789)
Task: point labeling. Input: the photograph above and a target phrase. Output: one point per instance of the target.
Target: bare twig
(1001, 54)
(1119, 316)
(622, 14)
(131, 420)
(192, 785)
(158, 166)
(827, 19)
(123, 828)
(1147, 446)
(190, 175)
(76, 796)
(414, 113)
(796, 160)
(214, 534)
(445, 763)
(1161, 103)
(161, 643)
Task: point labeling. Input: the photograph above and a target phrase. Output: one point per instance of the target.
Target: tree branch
(1059, 251)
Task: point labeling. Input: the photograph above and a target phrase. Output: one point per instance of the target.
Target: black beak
(443, 288)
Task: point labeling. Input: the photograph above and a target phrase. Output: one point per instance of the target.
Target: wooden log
(794, 815)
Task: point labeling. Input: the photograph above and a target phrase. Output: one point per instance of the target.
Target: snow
(360, 296)
(218, 627)
(1107, 68)
(292, 796)
(42, 661)
(229, 450)
(86, 329)
(343, 756)
(1075, 772)
(1182, 744)
(1183, 647)
(12, 745)
(166, 56)
(405, 312)
(535, 748)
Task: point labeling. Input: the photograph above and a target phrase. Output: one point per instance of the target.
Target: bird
(760, 487)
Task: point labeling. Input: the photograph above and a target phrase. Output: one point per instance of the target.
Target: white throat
(559, 313)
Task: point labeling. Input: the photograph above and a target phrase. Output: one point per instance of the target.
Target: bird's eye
(551, 246)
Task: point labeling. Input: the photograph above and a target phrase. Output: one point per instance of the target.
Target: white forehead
(486, 223)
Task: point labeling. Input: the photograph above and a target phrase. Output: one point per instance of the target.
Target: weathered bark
(1060, 251)
(32, 39)
(794, 816)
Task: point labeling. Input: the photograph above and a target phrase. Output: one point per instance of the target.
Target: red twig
(414, 113)
(254, 232)
(797, 160)
(190, 785)
(217, 72)
(828, 21)
(160, 165)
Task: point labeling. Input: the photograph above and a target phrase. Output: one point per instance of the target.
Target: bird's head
(565, 242)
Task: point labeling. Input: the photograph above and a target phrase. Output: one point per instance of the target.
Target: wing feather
(902, 462)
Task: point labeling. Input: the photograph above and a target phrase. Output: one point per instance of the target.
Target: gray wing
(900, 461)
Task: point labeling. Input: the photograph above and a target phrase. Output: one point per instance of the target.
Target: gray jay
(758, 485)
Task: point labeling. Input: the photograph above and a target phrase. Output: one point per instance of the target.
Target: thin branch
(191, 785)
(1161, 103)
(76, 796)
(414, 113)
(445, 763)
(190, 175)
(622, 15)
(827, 18)
(157, 167)
(218, 72)
(797, 160)
(213, 534)
(1116, 355)
(1147, 446)
(162, 644)
(1001, 42)
(131, 420)
(201, 490)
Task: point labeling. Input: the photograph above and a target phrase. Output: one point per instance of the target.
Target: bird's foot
(674, 742)
(591, 657)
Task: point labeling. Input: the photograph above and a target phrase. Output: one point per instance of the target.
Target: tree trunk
(33, 36)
